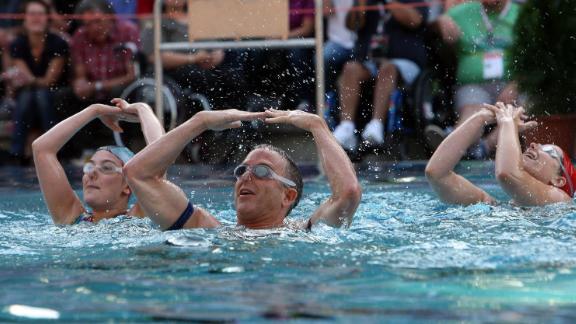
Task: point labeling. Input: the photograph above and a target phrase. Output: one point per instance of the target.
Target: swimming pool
(406, 258)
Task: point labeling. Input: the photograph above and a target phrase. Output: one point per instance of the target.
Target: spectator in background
(102, 64)
(58, 24)
(39, 57)
(405, 57)
(482, 33)
(217, 74)
(102, 67)
(7, 34)
(7, 29)
(124, 9)
(145, 7)
(288, 72)
(339, 47)
(301, 26)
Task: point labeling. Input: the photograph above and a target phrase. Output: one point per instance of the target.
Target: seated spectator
(124, 9)
(301, 26)
(39, 57)
(339, 47)
(101, 70)
(102, 67)
(405, 57)
(59, 24)
(7, 35)
(300, 88)
(144, 7)
(217, 74)
(481, 32)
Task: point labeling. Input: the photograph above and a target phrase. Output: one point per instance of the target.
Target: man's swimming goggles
(551, 150)
(104, 168)
(262, 171)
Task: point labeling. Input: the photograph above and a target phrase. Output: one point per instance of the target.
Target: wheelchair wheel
(423, 101)
(143, 90)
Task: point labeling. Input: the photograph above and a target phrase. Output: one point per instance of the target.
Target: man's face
(98, 25)
(257, 198)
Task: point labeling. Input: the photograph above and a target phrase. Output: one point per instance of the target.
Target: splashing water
(406, 257)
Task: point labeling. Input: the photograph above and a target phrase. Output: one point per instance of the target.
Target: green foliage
(544, 55)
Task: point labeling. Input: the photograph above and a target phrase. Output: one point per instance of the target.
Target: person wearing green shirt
(481, 33)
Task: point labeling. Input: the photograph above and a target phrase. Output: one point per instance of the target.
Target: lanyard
(488, 23)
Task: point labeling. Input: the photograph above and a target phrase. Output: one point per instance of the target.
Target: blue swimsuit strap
(84, 217)
(184, 217)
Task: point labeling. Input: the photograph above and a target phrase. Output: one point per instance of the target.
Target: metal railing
(317, 42)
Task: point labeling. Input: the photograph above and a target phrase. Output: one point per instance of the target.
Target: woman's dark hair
(46, 6)
(25, 4)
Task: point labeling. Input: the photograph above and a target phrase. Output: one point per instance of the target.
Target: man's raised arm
(163, 201)
(346, 192)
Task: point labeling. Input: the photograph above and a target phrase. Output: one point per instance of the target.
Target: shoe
(434, 135)
(374, 132)
(344, 134)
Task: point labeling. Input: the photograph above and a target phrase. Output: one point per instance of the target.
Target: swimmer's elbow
(37, 146)
(132, 172)
(433, 172)
(136, 173)
(350, 197)
(505, 176)
(353, 194)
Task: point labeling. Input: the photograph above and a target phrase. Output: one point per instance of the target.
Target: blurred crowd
(59, 56)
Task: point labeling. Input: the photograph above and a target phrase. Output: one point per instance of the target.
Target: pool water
(407, 257)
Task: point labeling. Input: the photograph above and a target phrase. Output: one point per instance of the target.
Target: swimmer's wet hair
(291, 172)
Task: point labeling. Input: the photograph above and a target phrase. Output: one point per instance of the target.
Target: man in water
(268, 183)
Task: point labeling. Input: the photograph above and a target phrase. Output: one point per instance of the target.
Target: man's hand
(298, 118)
(217, 120)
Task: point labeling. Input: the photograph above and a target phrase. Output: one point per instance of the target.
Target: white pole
(319, 57)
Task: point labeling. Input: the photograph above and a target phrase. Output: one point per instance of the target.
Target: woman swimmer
(542, 175)
(105, 190)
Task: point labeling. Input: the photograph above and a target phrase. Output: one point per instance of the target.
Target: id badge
(493, 65)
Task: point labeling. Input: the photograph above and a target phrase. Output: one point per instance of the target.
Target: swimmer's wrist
(485, 117)
(94, 110)
(319, 123)
(198, 121)
(506, 120)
